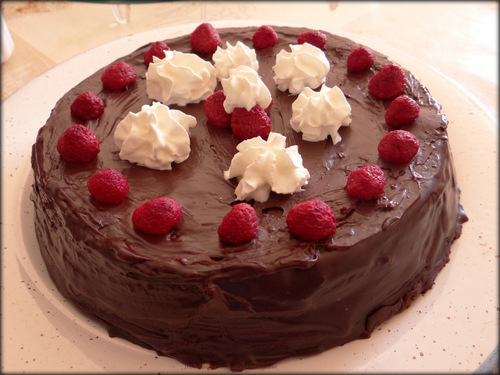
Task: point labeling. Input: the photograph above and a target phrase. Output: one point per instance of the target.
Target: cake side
(232, 305)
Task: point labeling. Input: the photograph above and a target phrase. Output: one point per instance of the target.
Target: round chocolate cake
(189, 295)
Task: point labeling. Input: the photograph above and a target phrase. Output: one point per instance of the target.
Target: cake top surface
(193, 247)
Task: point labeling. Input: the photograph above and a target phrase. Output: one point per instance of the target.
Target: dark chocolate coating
(188, 295)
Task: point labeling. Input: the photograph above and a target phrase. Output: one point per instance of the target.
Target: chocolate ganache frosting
(190, 296)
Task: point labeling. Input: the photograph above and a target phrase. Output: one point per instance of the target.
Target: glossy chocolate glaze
(191, 297)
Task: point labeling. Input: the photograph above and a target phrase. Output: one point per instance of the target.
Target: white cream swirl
(180, 78)
(320, 114)
(244, 89)
(262, 167)
(231, 57)
(155, 137)
(305, 65)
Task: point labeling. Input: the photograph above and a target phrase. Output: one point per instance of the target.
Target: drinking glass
(121, 12)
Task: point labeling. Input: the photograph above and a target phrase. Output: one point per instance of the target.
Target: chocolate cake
(190, 296)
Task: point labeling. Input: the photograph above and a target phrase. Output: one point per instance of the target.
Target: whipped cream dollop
(244, 89)
(180, 78)
(319, 114)
(232, 57)
(305, 65)
(264, 166)
(155, 137)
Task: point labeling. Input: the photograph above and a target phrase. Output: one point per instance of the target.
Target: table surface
(460, 39)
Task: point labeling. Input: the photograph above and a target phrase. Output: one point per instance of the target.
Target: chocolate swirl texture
(189, 296)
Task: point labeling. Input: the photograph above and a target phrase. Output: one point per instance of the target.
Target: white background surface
(453, 328)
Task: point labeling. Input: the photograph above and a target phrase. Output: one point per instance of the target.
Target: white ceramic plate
(452, 328)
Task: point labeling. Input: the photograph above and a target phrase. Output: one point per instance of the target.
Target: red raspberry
(87, 106)
(78, 144)
(361, 58)
(314, 37)
(311, 220)
(205, 38)
(214, 109)
(388, 83)
(366, 183)
(239, 225)
(398, 146)
(265, 37)
(108, 186)
(157, 216)
(402, 110)
(157, 49)
(249, 124)
(118, 76)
